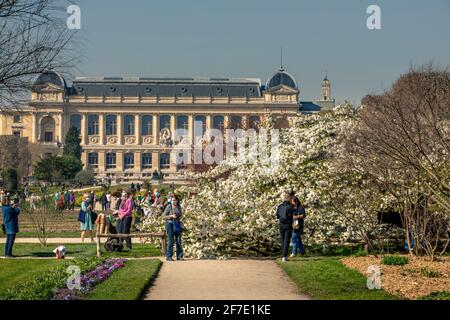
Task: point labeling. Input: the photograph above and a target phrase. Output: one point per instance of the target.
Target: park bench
(162, 236)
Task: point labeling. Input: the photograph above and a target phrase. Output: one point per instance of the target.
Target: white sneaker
(284, 259)
(292, 255)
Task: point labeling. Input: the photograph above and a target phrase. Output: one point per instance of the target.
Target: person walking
(104, 201)
(11, 225)
(67, 200)
(125, 218)
(297, 226)
(172, 214)
(72, 201)
(285, 218)
(87, 225)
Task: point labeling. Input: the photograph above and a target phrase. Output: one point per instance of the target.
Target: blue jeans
(297, 244)
(10, 238)
(171, 235)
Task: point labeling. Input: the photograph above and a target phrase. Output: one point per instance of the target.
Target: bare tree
(402, 142)
(33, 38)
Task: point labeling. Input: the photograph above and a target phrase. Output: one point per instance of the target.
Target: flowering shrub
(90, 279)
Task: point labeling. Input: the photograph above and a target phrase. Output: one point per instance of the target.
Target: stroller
(112, 243)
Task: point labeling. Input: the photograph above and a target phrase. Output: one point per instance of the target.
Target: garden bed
(414, 280)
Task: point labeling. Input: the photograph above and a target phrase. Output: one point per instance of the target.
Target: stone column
(101, 127)
(119, 129)
(191, 128)
(155, 161)
(138, 162)
(101, 162)
(119, 161)
(245, 121)
(137, 129)
(34, 129)
(84, 159)
(84, 127)
(155, 120)
(172, 125)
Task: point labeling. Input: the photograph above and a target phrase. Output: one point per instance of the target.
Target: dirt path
(223, 280)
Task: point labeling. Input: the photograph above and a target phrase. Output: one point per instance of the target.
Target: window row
(181, 122)
(129, 160)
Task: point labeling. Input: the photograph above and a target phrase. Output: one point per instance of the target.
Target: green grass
(14, 271)
(59, 234)
(87, 249)
(128, 283)
(326, 278)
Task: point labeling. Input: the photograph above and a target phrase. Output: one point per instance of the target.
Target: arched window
(110, 160)
(93, 159)
(48, 129)
(164, 121)
(93, 124)
(219, 123)
(128, 160)
(164, 160)
(199, 125)
(128, 125)
(281, 123)
(111, 125)
(147, 125)
(146, 161)
(75, 121)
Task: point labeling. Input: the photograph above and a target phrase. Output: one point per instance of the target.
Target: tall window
(93, 124)
(219, 123)
(128, 125)
(111, 125)
(16, 119)
(236, 122)
(164, 121)
(164, 160)
(147, 125)
(183, 122)
(110, 160)
(93, 159)
(146, 161)
(75, 121)
(254, 122)
(199, 124)
(128, 160)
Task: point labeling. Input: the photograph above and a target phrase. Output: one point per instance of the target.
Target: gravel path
(223, 280)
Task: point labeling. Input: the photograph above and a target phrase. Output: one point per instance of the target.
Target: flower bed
(90, 279)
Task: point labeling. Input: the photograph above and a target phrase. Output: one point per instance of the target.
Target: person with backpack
(285, 218)
(297, 226)
(172, 214)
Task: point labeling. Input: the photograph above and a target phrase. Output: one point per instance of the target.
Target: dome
(50, 77)
(281, 78)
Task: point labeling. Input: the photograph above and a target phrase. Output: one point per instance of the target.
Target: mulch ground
(407, 281)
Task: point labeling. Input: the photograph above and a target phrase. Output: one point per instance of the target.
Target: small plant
(429, 273)
(438, 295)
(395, 260)
(361, 253)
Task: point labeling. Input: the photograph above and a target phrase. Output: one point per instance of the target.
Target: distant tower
(326, 89)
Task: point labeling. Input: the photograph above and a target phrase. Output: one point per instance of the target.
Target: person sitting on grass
(11, 225)
(87, 226)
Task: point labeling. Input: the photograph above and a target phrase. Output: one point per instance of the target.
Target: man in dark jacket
(285, 217)
(11, 222)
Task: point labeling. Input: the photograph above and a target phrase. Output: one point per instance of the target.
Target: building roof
(166, 87)
(281, 78)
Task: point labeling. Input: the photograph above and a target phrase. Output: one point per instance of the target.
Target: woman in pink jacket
(125, 218)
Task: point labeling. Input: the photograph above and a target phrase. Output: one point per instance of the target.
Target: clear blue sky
(242, 38)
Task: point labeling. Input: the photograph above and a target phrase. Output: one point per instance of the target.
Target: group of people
(291, 215)
(64, 200)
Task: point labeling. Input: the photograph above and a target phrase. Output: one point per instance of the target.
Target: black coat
(285, 213)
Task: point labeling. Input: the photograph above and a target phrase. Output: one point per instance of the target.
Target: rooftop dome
(50, 77)
(281, 78)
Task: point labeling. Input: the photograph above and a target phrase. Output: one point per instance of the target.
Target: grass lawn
(87, 249)
(13, 271)
(326, 278)
(128, 283)
(58, 234)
